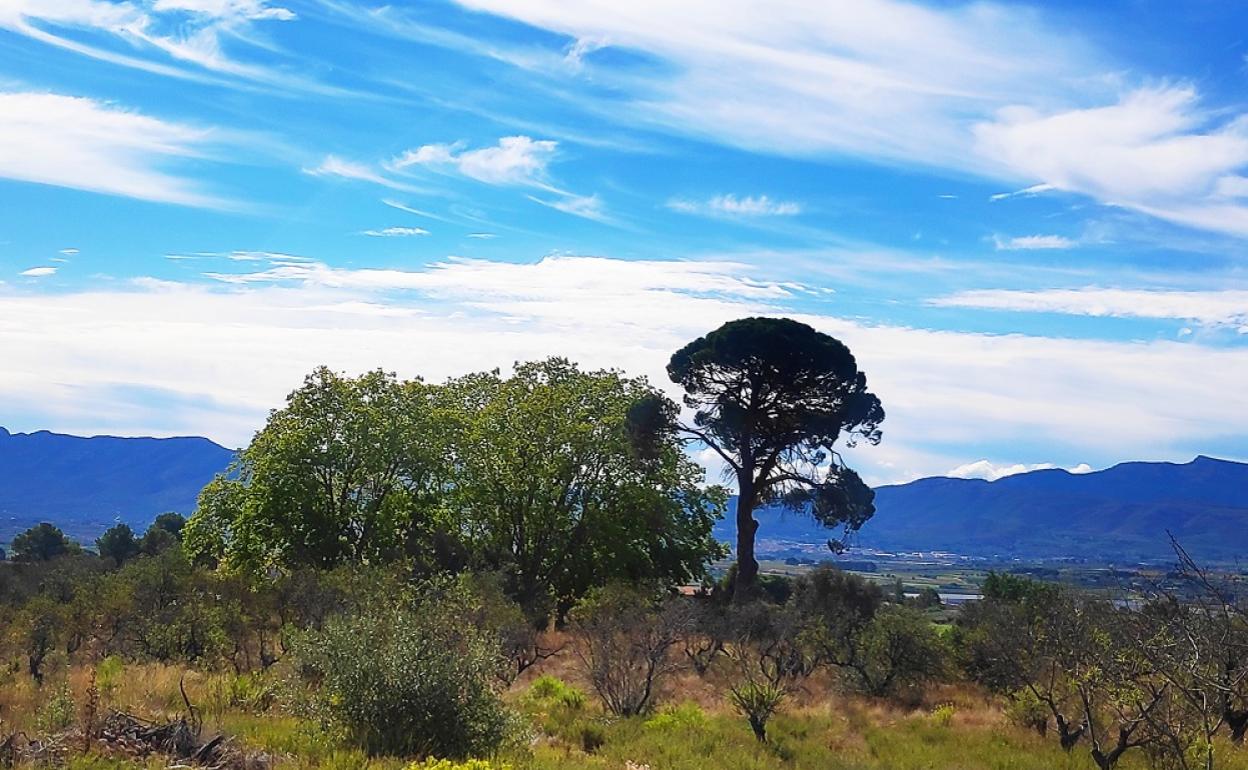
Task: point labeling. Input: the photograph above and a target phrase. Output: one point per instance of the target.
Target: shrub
(757, 701)
(58, 712)
(552, 689)
(592, 737)
(108, 675)
(900, 648)
(1024, 709)
(626, 636)
(942, 715)
(686, 716)
(407, 679)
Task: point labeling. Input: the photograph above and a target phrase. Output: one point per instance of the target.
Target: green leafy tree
(550, 491)
(118, 544)
(772, 397)
(42, 542)
(164, 533)
(345, 473)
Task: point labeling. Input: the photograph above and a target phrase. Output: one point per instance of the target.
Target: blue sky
(1028, 221)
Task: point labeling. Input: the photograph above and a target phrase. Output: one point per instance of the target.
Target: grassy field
(954, 728)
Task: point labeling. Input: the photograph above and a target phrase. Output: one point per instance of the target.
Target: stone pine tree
(772, 397)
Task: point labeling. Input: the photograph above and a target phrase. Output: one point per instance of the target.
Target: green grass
(570, 731)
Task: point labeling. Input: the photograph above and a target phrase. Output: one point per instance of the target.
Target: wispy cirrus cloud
(1210, 308)
(158, 36)
(335, 167)
(515, 160)
(985, 88)
(1032, 242)
(1155, 150)
(395, 232)
(737, 206)
(85, 144)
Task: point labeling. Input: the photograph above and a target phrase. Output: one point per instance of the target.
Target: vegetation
(532, 477)
(772, 397)
(514, 572)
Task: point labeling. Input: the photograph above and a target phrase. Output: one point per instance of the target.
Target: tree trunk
(747, 565)
(1067, 734)
(759, 726)
(1238, 722)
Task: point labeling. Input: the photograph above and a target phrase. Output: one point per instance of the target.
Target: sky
(1028, 221)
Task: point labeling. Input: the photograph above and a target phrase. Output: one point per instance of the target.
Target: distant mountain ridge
(85, 484)
(1120, 512)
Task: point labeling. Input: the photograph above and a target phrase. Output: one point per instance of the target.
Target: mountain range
(84, 485)
(1120, 513)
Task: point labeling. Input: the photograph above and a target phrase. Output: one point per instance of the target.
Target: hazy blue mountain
(84, 485)
(1122, 512)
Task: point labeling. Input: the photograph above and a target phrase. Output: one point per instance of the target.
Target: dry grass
(952, 727)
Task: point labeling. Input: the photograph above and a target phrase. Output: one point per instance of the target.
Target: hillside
(1120, 512)
(85, 484)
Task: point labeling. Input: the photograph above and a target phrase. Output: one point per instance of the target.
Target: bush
(552, 689)
(58, 712)
(900, 648)
(407, 679)
(626, 636)
(108, 675)
(686, 716)
(757, 701)
(592, 737)
(942, 715)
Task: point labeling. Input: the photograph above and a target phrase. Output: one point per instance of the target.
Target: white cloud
(1026, 192)
(731, 205)
(231, 10)
(1155, 150)
(85, 144)
(483, 236)
(515, 160)
(986, 88)
(586, 206)
(396, 232)
(1211, 308)
(69, 252)
(990, 471)
(96, 352)
(882, 79)
(334, 166)
(38, 272)
(1032, 242)
(156, 36)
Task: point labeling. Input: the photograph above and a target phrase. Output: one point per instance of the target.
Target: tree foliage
(118, 543)
(773, 397)
(42, 542)
(532, 476)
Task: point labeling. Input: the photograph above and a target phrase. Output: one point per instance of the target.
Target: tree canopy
(772, 397)
(534, 476)
(42, 542)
